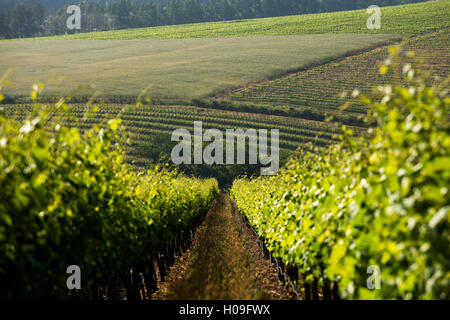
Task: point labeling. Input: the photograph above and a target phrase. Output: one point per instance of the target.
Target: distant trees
(22, 21)
(4, 25)
(193, 11)
(25, 20)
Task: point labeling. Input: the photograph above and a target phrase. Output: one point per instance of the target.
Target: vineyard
(144, 121)
(319, 89)
(68, 198)
(87, 177)
(406, 19)
(377, 203)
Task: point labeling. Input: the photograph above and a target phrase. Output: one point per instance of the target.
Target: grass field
(406, 19)
(176, 70)
(319, 88)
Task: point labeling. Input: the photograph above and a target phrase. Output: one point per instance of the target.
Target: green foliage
(149, 128)
(68, 198)
(378, 201)
(317, 91)
(157, 148)
(405, 19)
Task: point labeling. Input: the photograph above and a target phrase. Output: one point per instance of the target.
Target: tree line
(26, 20)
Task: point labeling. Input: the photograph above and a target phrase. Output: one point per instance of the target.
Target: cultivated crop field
(175, 70)
(358, 204)
(406, 19)
(145, 121)
(320, 88)
(330, 215)
(113, 212)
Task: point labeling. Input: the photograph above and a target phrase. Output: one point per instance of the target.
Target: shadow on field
(224, 262)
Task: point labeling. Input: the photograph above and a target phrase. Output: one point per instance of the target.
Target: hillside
(228, 73)
(180, 68)
(177, 70)
(48, 18)
(164, 119)
(404, 19)
(300, 92)
(331, 140)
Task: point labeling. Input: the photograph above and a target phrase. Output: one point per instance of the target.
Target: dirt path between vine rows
(224, 262)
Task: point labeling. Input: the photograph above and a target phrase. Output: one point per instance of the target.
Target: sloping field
(319, 88)
(176, 70)
(147, 121)
(405, 19)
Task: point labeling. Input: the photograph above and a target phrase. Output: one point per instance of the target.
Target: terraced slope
(405, 19)
(319, 89)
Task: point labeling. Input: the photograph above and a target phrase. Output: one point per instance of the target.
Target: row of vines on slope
(145, 120)
(317, 91)
(382, 201)
(68, 198)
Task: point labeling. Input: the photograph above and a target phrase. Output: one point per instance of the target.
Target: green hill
(318, 89)
(404, 19)
(177, 70)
